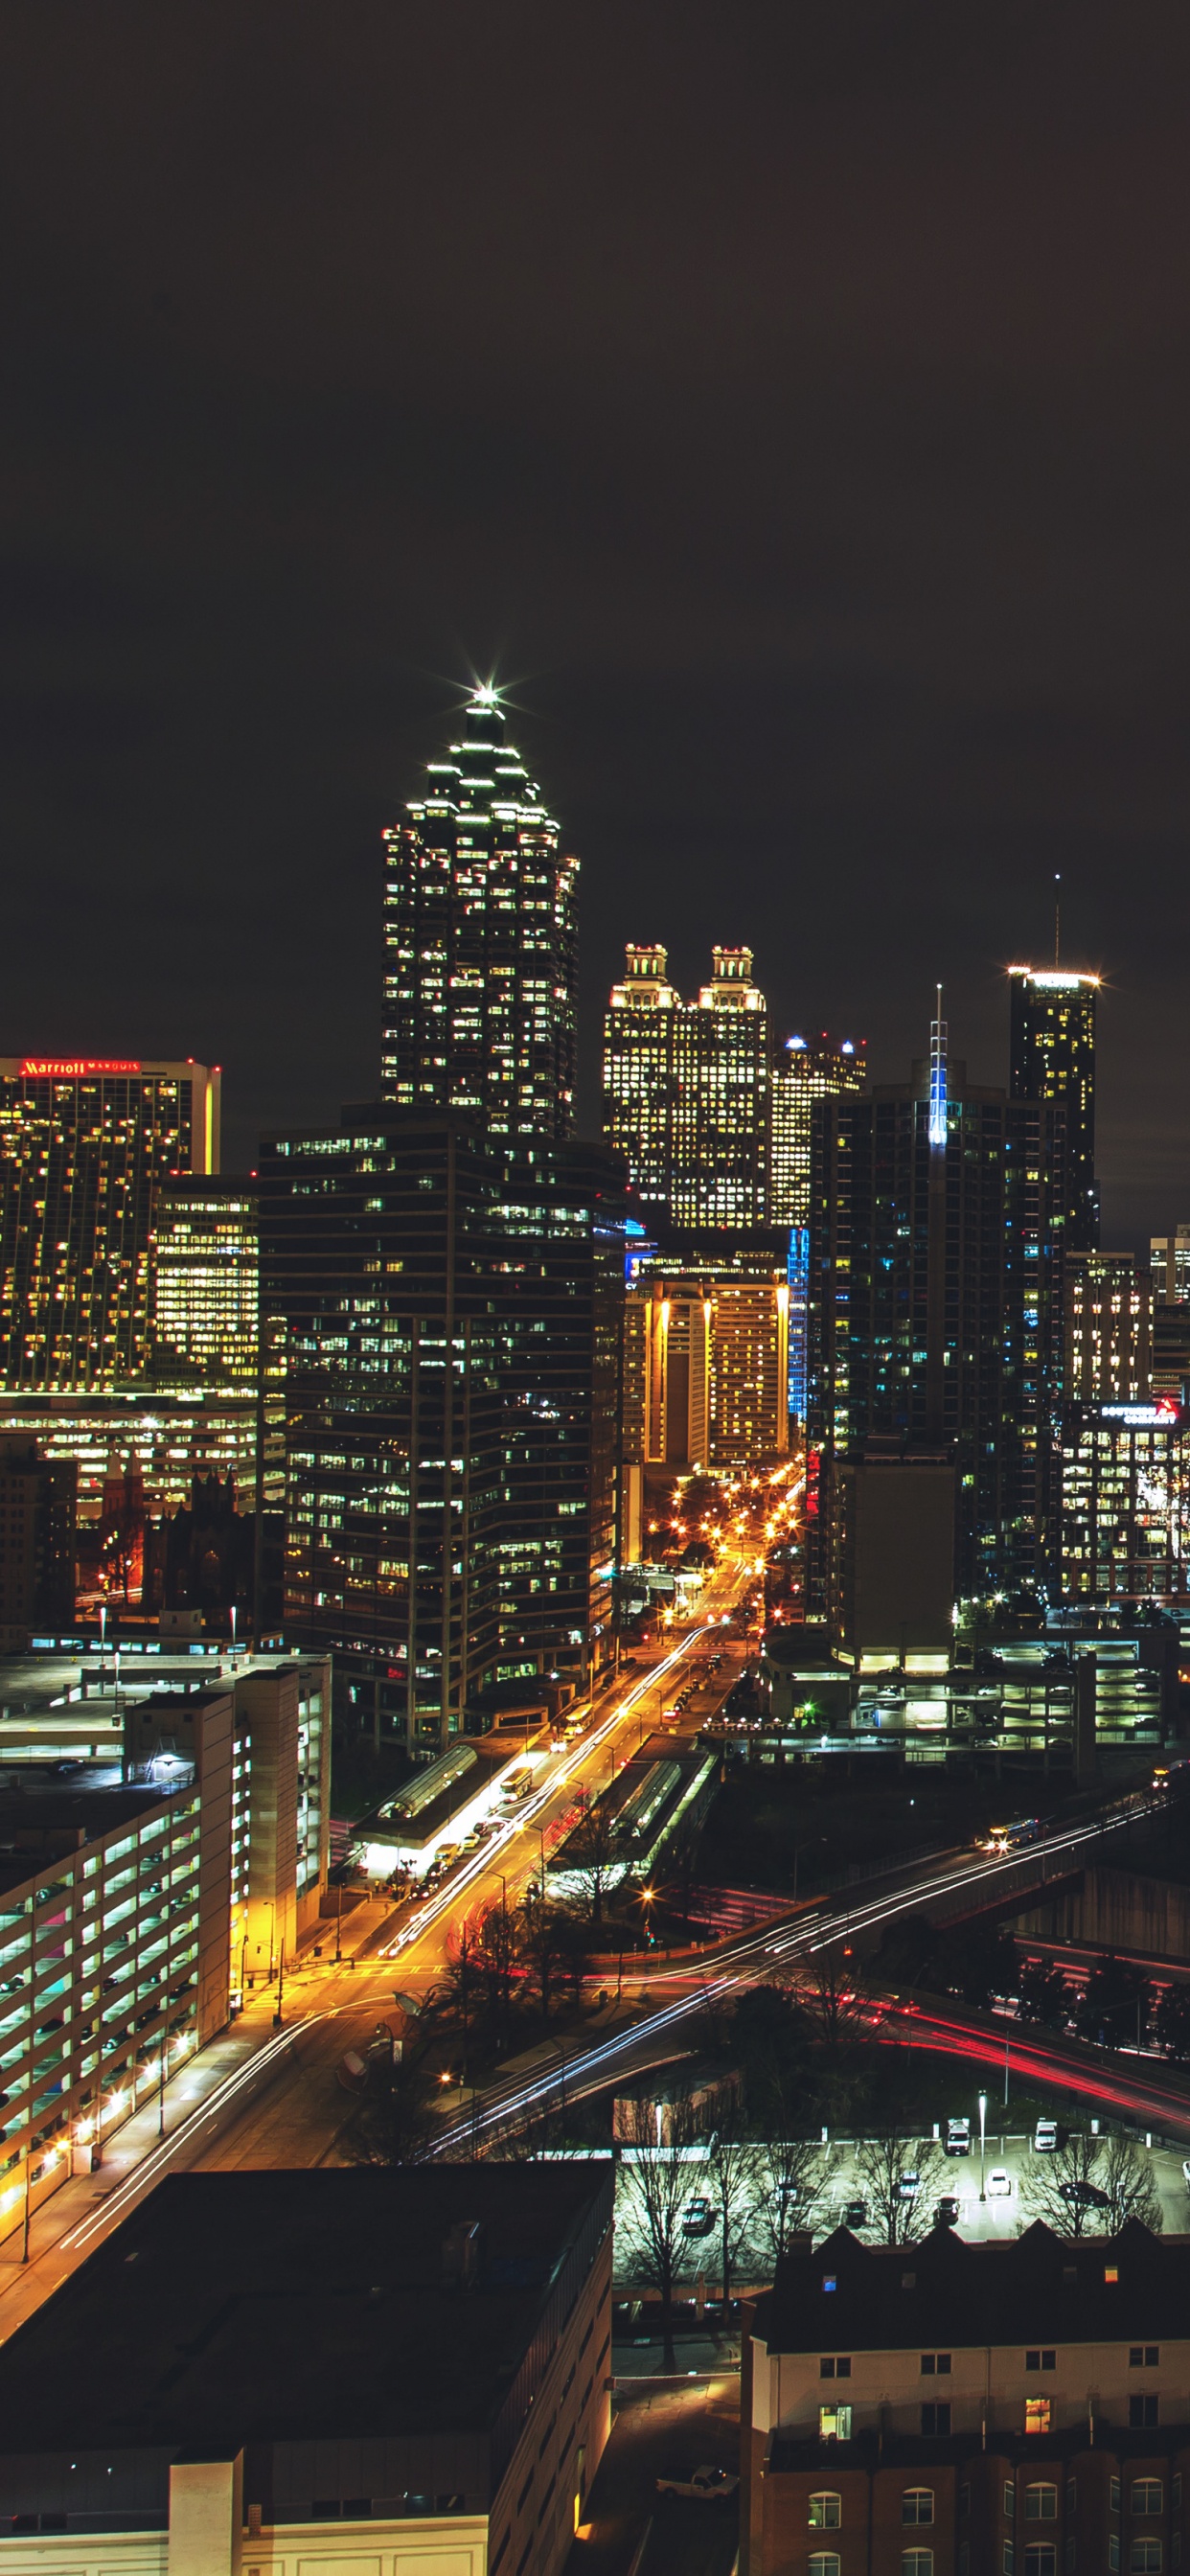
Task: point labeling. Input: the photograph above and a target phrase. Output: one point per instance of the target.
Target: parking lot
(1002, 2212)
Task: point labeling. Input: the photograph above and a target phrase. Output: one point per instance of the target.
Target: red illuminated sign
(67, 1066)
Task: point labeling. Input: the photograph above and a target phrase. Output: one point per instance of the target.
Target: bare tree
(1063, 2188)
(497, 1960)
(595, 1858)
(895, 2172)
(730, 2168)
(463, 1985)
(542, 1943)
(654, 2187)
(828, 1994)
(1127, 2177)
(789, 2180)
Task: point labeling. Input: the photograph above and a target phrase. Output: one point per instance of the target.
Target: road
(290, 2110)
(835, 1921)
(259, 2096)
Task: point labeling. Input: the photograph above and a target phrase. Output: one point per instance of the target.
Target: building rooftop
(1037, 2288)
(43, 1822)
(294, 2306)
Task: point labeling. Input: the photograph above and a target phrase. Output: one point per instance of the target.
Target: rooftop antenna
(1057, 915)
(938, 1076)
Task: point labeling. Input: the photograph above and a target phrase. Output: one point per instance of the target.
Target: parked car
(946, 2210)
(958, 2137)
(1045, 2137)
(706, 2485)
(999, 2183)
(855, 2213)
(1082, 2195)
(698, 2217)
(909, 2186)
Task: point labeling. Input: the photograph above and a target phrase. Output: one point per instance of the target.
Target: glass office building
(86, 1146)
(479, 987)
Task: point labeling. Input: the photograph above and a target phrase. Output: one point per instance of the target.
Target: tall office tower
(557, 1244)
(1169, 1261)
(86, 1147)
(804, 1070)
(441, 1355)
(1052, 1046)
(382, 1408)
(721, 1110)
(1109, 1315)
(639, 1075)
(932, 1306)
(479, 1007)
(205, 1288)
(707, 1363)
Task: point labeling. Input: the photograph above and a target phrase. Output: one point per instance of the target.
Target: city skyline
(803, 462)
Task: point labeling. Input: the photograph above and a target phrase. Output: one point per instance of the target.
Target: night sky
(789, 405)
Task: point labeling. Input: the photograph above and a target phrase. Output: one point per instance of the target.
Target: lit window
(826, 2511)
(834, 2423)
(1037, 2414)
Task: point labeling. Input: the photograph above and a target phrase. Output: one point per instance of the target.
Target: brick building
(948, 2409)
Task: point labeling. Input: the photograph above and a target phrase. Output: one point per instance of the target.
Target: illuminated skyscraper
(479, 1008)
(1169, 1257)
(721, 1060)
(206, 1285)
(1109, 1314)
(935, 1307)
(639, 1074)
(805, 1070)
(86, 1147)
(707, 1366)
(1052, 1048)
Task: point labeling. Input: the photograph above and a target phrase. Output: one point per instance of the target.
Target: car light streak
(433, 1908)
(740, 1963)
(152, 2167)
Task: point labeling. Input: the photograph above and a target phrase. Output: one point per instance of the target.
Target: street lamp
(983, 2118)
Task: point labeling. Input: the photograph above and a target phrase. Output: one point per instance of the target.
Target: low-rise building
(343, 2370)
(113, 1948)
(949, 2409)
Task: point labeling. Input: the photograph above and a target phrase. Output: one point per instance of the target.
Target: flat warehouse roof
(293, 2306)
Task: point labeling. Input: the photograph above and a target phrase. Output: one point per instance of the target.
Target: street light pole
(983, 2119)
(28, 2189)
(280, 1987)
(161, 2086)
